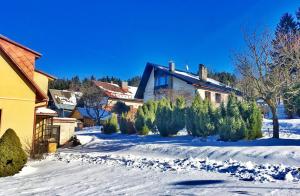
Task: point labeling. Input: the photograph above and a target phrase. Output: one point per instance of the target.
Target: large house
(166, 81)
(23, 93)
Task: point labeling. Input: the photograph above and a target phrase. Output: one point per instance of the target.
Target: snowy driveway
(135, 165)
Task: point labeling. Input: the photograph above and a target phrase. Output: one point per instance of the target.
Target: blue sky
(118, 37)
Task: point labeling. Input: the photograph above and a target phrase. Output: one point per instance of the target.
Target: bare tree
(95, 102)
(266, 77)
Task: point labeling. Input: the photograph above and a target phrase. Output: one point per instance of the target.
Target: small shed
(65, 127)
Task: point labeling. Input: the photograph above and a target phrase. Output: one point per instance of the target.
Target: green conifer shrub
(178, 115)
(144, 131)
(12, 156)
(254, 121)
(241, 120)
(146, 116)
(111, 125)
(164, 118)
(200, 119)
(127, 123)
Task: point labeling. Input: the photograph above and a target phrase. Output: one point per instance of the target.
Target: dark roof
(189, 78)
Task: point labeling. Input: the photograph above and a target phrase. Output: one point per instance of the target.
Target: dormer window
(161, 79)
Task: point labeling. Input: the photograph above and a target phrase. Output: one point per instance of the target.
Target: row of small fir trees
(234, 121)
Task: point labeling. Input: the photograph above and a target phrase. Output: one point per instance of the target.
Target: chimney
(202, 72)
(171, 66)
(124, 85)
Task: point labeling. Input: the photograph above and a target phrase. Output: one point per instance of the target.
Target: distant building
(87, 115)
(63, 101)
(123, 93)
(161, 81)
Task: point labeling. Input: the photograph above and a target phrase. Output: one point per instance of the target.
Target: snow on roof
(115, 91)
(88, 112)
(132, 89)
(213, 81)
(65, 99)
(45, 111)
(190, 78)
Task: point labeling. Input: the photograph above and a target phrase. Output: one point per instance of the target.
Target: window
(161, 80)
(208, 95)
(218, 98)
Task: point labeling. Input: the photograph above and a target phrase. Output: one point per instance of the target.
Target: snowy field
(151, 165)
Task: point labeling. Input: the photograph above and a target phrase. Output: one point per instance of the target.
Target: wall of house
(184, 89)
(42, 81)
(224, 96)
(133, 104)
(149, 90)
(76, 114)
(179, 87)
(17, 103)
(67, 128)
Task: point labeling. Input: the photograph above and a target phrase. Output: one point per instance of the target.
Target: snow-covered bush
(200, 118)
(12, 156)
(111, 125)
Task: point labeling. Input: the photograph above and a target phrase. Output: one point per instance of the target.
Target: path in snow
(49, 177)
(135, 165)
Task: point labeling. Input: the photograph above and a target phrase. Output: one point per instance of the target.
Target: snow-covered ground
(151, 165)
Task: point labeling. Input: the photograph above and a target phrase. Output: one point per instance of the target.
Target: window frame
(161, 80)
(207, 95)
(218, 97)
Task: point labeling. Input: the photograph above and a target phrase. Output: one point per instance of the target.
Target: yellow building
(23, 92)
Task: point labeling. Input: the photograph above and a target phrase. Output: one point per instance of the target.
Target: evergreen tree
(134, 81)
(199, 118)
(140, 119)
(163, 119)
(232, 126)
(286, 30)
(75, 84)
(287, 25)
(146, 115)
(12, 156)
(111, 125)
(178, 114)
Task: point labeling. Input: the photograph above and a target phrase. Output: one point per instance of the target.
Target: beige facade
(66, 127)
